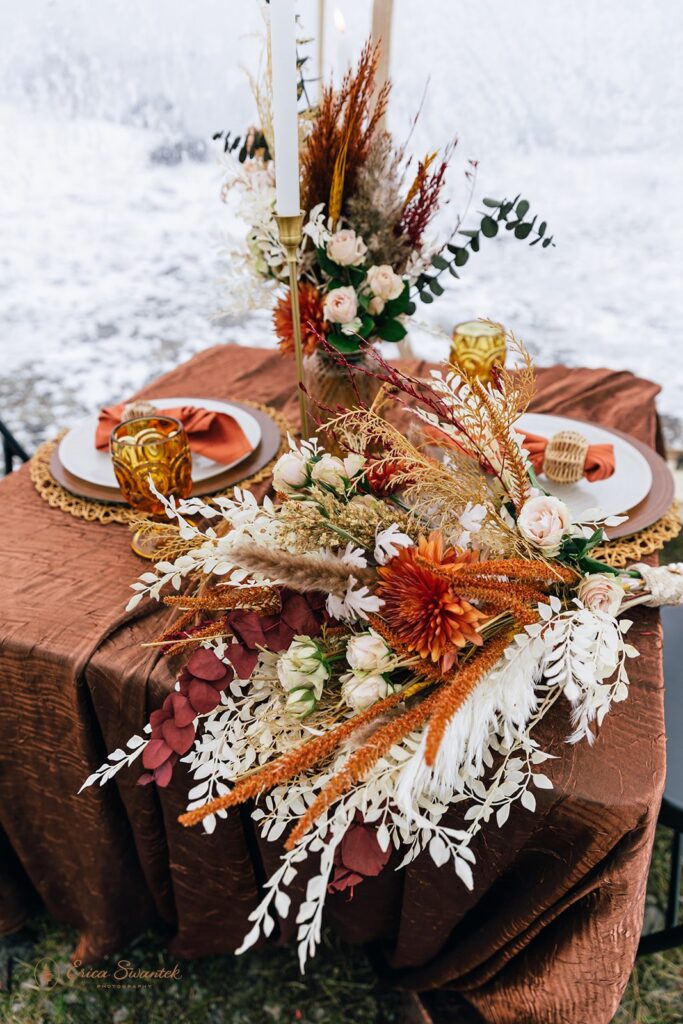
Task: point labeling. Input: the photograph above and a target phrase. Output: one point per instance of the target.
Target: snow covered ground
(109, 264)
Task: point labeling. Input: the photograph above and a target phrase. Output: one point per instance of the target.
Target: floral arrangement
(367, 255)
(368, 657)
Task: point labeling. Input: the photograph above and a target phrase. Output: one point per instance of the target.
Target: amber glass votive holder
(477, 347)
(153, 447)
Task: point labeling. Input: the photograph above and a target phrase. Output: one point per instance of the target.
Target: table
(549, 933)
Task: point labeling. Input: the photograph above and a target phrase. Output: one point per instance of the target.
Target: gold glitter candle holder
(156, 447)
(477, 347)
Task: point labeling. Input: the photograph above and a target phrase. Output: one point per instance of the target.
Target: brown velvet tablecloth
(549, 933)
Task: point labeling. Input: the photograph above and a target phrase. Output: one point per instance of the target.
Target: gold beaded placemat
(105, 512)
(627, 550)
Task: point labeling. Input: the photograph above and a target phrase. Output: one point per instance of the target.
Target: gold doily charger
(626, 550)
(96, 504)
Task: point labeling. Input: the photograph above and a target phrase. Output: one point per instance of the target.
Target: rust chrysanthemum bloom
(423, 608)
(313, 323)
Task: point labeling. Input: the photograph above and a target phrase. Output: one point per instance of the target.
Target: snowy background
(110, 219)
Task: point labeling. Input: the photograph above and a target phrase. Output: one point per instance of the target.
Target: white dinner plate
(628, 485)
(79, 456)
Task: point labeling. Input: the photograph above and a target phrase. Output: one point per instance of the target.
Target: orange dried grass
(346, 122)
(293, 764)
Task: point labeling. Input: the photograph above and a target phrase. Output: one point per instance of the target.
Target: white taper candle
(285, 123)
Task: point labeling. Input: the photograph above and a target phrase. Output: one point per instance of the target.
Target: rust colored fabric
(216, 435)
(547, 937)
(598, 465)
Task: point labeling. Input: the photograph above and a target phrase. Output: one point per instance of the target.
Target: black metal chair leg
(11, 448)
(675, 881)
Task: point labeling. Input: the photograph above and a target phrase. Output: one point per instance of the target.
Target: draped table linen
(550, 931)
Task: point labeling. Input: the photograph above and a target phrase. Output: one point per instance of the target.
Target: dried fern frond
(436, 494)
(167, 542)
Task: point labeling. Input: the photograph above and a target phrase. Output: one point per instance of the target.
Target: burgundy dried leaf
(202, 696)
(155, 753)
(205, 664)
(179, 740)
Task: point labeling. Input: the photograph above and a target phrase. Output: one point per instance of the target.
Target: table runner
(549, 932)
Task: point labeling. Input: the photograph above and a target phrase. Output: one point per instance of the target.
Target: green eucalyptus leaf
(439, 261)
(492, 203)
(461, 257)
(452, 271)
(522, 208)
(390, 330)
(489, 227)
(475, 244)
(436, 288)
(522, 230)
(426, 297)
(344, 343)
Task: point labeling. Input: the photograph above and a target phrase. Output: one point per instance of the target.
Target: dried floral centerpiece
(369, 657)
(367, 257)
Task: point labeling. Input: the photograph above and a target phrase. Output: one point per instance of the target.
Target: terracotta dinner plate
(264, 452)
(659, 499)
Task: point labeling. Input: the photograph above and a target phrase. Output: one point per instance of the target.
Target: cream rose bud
(367, 652)
(329, 470)
(341, 305)
(376, 305)
(359, 692)
(384, 283)
(346, 248)
(300, 703)
(302, 666)
(544, 521)
(601, 593)
(353, 464)
(290, 472)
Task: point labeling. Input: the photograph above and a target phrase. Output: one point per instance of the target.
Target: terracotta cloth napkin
(217, 435)
(599, 464)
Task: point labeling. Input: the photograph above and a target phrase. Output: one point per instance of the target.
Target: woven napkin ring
(565, 457)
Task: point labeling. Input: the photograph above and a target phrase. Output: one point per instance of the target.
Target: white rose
(359, 692)
(376, 305)
(384, 283)
(290, 472)
(601, 593)
(367, 652)
(341, 306)
(544, 521)
(300, 703)
(302, 667)
(330, 470)
(346, 248)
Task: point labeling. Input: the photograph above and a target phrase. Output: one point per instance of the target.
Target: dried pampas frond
(320, 571)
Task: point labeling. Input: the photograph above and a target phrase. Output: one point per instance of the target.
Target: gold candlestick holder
(290, 229)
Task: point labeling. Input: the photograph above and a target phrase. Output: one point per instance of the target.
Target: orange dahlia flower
(422, 608)
(313, 322)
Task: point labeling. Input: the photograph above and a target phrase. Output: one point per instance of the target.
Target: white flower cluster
(299, 468)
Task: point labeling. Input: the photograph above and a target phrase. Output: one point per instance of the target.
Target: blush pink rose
(544, 521)
(341, 306)
(346, 248)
